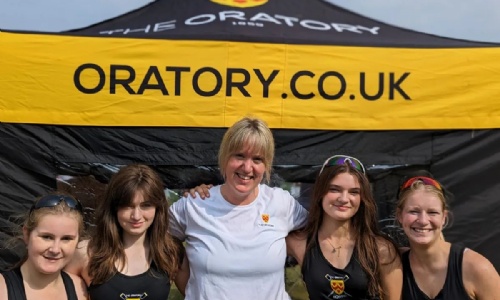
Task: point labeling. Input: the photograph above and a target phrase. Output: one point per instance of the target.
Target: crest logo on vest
(337, 284)
(133, 296)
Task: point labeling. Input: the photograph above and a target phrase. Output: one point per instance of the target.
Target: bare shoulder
(81, 249)
(80, 259)
(297, 235)
(477, 264)
(80, 286)
(3, 288)
(391, 270)
(296, 239)
(480, 277)
(387, 251)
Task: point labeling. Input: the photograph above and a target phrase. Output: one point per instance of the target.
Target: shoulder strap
(307, 256)
(69, 286)
(405, 259)
(410, 288)
(15, 286)
(454, 273)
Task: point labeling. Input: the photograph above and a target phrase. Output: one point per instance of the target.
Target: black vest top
(324, 281)
(453, 288)
(15, 286)
(151, 285)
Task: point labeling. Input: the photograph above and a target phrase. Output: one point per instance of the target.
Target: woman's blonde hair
(439, 192)
(32, 218)
(248, 131)
(420, 186)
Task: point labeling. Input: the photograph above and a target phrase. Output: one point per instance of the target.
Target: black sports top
(453, 288)
(15, 286)
(324, 281)
(151, 285)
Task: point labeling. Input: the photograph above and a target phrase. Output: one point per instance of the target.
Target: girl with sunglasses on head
(51, 232)
(235, 238)
(434, 268)
(130, 255)
(341, 250)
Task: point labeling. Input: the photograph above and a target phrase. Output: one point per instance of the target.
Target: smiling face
(52, 243)
(244, 171)
(342, 199)
(137, 217)
(422, 216)
(247, 133)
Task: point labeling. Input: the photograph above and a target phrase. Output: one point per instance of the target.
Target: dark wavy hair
(106, 248)
(364, 223)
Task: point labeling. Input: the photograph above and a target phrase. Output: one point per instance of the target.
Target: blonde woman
(434, 268)
(235, 238)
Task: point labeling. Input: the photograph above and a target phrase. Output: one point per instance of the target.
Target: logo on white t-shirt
(265, 219)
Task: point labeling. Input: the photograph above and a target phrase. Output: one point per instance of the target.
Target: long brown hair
(364, 223)
(106, 248)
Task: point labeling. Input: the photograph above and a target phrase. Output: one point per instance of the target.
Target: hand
(201, 190)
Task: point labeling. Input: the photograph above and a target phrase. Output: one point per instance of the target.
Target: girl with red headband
(434, 268)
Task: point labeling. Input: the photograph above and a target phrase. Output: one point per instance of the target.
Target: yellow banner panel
(51, 79)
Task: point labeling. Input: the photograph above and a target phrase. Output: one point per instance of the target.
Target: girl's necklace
(335, 249)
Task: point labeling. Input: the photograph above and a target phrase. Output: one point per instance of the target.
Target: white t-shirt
(237, 252)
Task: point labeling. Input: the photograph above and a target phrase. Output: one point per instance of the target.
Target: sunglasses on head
(339, 160)
(54, 200)
(424, 180)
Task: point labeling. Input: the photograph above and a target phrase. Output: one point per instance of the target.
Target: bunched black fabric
(15, 287)
(324, 281)
(151, 284)
(453, 288)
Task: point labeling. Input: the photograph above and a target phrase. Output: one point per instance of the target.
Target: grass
(294, 284)
(174, 293)
(293, 280)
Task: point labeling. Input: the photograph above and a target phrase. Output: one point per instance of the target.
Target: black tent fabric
(289, 22)
(465, 161)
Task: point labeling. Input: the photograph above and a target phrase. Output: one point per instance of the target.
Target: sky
(477, 20)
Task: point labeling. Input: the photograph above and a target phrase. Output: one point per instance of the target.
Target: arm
(3, 288)
(78, 264)
(391, 270)
(182, 276)
(177, 218)
(297, 214)
(202, 190)
(481, 280)
(177, 228)
(296, 246)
